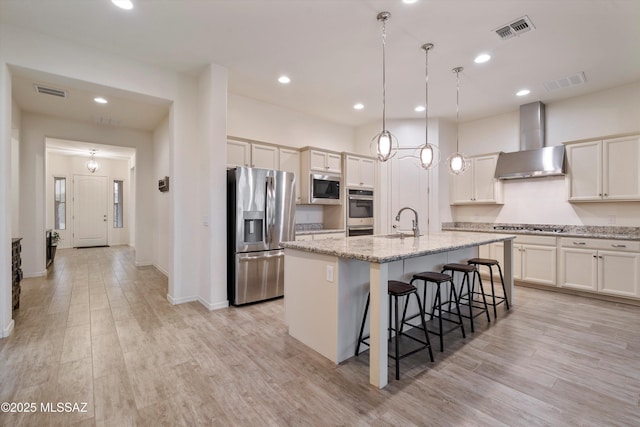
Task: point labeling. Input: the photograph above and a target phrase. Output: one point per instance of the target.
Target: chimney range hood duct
(534, 158)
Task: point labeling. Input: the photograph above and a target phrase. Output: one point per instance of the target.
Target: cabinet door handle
(600, 256)
(579, 243)
(605, 195)
(599, 194)
(595, 256)
(618, 246)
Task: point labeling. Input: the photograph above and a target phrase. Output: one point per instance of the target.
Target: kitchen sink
(396, 236)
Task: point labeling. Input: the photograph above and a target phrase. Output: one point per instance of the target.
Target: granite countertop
(381, 248)
(591, 232)
(320, 231)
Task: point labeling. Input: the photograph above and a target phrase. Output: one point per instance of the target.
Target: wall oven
(325, 189)
(359, 212)
(360, 231)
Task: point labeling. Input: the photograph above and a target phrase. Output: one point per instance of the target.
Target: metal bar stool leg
(484, 298)
(440, 317)
(504, 290)
(364, 320)
(458, 309)
(424, 325)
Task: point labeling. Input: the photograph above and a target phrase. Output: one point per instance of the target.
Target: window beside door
(60, 203)
(117, 204)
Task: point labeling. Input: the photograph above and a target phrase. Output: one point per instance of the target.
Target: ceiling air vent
(565, 82)
(50, 91)
(517, 27)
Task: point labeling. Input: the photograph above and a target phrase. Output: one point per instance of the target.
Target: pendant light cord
(457, 71)
(384, 73)
(426, 92)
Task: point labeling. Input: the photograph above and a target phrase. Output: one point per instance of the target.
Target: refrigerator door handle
(269, 209)
(260, 255)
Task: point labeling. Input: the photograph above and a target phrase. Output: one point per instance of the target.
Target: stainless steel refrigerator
(260, 214)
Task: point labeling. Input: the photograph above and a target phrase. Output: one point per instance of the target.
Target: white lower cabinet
(605, 266)
(534, 259)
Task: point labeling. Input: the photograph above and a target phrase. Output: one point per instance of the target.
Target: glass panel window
(60, 203)
(117, 204)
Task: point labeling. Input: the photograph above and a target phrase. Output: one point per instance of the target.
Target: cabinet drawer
(536, 240)
(603, 244)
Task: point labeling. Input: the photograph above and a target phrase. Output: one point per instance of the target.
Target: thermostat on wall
(163, 184)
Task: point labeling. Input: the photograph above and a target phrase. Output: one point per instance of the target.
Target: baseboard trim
(176, 301)
(143, 263)
(576, 292)
(213, 306)
(7, 331)
(161, 270)
(32, 275)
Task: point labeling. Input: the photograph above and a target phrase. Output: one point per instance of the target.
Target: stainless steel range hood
(534, 158)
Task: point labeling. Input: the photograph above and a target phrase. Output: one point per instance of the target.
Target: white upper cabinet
(238, 153)
(264, 156)
(621, 171)
(477, 184)
(607, 170)
(324, 161)
(359, 171)
(290, 162)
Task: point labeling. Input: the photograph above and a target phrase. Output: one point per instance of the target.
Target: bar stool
(437, 279)
(469, 296)
(487, 262)
(398, 289)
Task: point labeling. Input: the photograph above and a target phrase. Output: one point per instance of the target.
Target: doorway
(90, 217)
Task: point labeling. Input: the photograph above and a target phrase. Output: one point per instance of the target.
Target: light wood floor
(100, 331)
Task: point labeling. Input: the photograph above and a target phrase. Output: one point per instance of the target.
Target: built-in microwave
(325, 189)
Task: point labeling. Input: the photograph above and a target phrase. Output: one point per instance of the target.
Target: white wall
(6, 321)
(252, 119)
(15, 169)
(213, 114)
(161, 201)
(66, 166)
(544, 200)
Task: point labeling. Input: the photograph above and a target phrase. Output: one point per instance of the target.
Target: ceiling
(332, 51)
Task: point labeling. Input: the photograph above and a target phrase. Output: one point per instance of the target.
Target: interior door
(90, 218)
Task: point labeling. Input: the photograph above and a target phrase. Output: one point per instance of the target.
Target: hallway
(99, 330)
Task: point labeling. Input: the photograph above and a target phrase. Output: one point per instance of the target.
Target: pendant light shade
(92, 165)
(429, 153)
(386, 144)
(457, 162)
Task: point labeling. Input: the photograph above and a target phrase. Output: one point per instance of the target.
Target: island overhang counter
(326, 284)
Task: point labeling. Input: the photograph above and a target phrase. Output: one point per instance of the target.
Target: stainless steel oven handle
(360, 197)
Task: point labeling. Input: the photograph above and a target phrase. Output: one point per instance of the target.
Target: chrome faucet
(416, 228)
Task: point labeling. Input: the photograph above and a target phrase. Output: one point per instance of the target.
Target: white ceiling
(332, 50)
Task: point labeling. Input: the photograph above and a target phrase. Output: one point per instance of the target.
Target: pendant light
(386, 144)
(457, 163)
(92, 165)
(429, 153)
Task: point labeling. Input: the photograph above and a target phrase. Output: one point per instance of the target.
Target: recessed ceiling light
(419, 109)
(358, 106)
(123, 4)
(483, 57)
(284, 79)
(100, 100)
(523, 92)
(409, 1)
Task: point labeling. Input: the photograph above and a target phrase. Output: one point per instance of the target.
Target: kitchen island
(326, 284)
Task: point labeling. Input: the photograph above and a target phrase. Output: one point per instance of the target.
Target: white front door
(90, 210)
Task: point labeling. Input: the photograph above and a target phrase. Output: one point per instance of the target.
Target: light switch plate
(330, 273)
